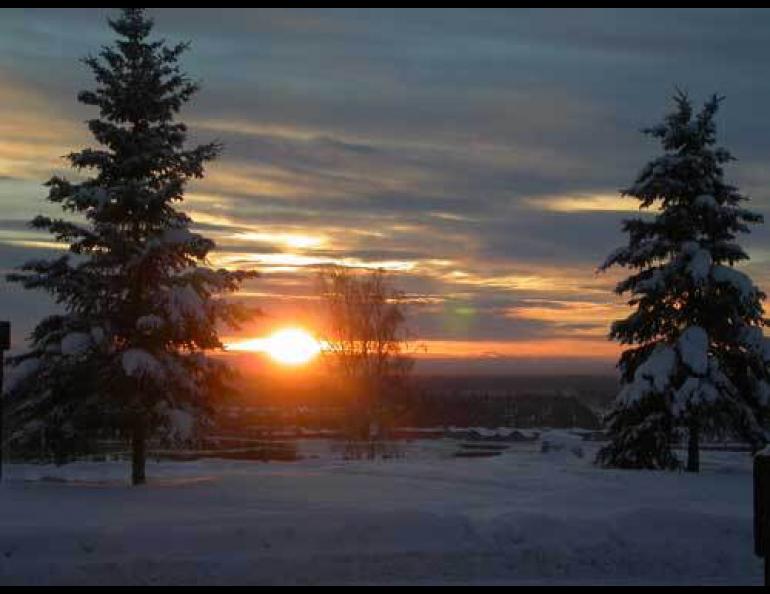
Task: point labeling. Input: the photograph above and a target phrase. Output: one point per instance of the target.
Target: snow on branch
(140, 364)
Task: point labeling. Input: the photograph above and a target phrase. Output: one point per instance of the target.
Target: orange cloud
(594, 317)
(583, 203)
(539, 348)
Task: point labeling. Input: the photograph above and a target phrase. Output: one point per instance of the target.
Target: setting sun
(290, 346)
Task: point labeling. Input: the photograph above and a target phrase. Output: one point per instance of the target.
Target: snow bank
(562, 442)
(519, 518)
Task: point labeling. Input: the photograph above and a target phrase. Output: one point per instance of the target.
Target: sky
(475, 153)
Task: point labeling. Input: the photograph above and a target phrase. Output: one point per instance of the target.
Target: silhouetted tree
(141, 308)
(365, 339)
(699, 361)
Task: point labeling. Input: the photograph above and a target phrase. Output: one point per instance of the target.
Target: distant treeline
(431, 409)
(432, 402)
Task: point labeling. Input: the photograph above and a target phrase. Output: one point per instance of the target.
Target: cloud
(584, 203)
(475, 153)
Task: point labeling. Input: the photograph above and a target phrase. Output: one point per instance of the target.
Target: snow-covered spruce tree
(699, 360)
(140, 306)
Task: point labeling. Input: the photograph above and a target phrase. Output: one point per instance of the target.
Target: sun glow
(290, 346)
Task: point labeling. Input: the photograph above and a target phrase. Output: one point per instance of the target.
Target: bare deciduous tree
(366, 341)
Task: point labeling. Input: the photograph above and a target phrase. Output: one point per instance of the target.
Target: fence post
(762, 508)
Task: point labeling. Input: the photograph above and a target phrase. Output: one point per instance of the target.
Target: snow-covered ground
(428, 518)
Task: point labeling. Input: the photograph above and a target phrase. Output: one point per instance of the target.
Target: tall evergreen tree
(140, 305)
(699, 361)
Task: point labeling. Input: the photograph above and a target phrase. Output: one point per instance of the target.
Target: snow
(762, 392)
(756, 341)
(658, 367)
(739, 281)
(655, 282)
(181, 425)
(19, 372)
(652, 376)
(633, 392)
(693, 347)
(690, 247)
(699, 266)
(185, 303)
(616, 255)
(97, 195)
(685, 395)
(178, 235)
(500, 433)
(75, 343)
(139, 363)
(706, 201)
(149, 323)
(561, 442)
(172, 236)
(694, 392)
(699, 261)
(426, 518)
(97, 335)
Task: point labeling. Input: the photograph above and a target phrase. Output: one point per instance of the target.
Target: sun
(288, 346)
(291, 346)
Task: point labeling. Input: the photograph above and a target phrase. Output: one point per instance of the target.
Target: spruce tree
(698, 360)
(140, 306)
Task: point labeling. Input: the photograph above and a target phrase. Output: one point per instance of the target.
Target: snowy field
(427, 518)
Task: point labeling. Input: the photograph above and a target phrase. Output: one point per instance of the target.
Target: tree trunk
(693, 448)
(138, 452)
